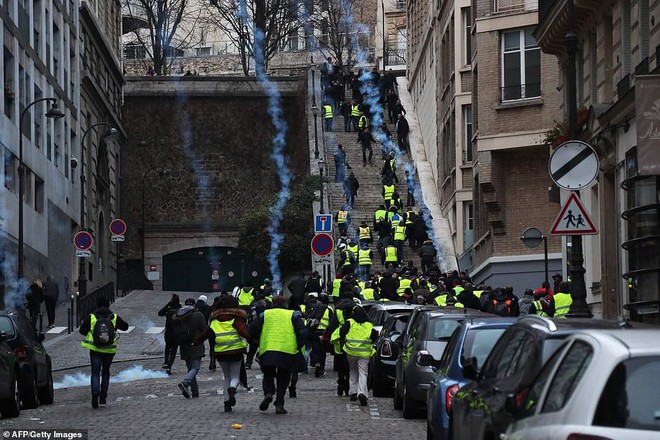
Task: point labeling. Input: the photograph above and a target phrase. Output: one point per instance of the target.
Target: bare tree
(277, 20)
(171, 26)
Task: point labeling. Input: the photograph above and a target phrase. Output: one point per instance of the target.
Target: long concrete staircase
(369, 196)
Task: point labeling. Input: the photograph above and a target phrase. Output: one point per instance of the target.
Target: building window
(202, 51)
(521, 65)
(39, 192)
(10, 171)
(467, 44)
(467, 139)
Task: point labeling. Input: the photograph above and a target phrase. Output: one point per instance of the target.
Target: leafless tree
(170, 28)
(277, 20)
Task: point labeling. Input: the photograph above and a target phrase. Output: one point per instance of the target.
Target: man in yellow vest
(363, 121)
(380, 214)
(563, 300)
(391, 257)
(365, 261)
(245, 297)
(281, 334)
(343, 219)
(399, 234)
(100, 331)
(327, 115)
(364, 235)
(358, 336)
(355, 114)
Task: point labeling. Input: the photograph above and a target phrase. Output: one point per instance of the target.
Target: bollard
(68, 320)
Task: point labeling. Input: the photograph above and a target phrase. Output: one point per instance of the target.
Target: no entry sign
(322, 244)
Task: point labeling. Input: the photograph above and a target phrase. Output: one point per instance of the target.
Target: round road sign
(532, 237)
(83, 240)
(322, 244)
(573, 165)
(117, 227)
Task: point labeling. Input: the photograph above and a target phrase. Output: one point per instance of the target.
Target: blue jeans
(193, 365)
(328, 124)
(100, 372)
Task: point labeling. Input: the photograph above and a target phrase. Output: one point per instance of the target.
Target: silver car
(600, 384)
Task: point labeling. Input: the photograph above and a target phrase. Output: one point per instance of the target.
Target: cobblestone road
(155, 409)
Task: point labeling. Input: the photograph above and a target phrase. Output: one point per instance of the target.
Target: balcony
(504, 6)
(395, 57)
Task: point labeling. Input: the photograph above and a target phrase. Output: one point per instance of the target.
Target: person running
(188, 322)
(100, 331)
(358, 336)
(171, 346)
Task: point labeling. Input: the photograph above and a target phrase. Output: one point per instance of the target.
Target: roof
(641, 339)
(569, 325)
(394, 305)
(453, 311)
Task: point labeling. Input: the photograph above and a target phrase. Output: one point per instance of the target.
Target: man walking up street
(328, 117)
(188, 322)
(365, 138)
(281, 334)
(51, 293)
(100, 331)
(340, 164)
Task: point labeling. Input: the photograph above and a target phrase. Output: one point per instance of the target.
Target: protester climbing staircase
(369, 196)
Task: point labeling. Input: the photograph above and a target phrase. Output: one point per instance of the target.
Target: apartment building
(616, 91)
(392, 32)
(47, 53)
(486, 96)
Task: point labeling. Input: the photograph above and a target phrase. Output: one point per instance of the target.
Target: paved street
(155, 409)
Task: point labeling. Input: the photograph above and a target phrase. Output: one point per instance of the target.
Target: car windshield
(6, 326)
(479, 342)
(441, 329)
(630, 398)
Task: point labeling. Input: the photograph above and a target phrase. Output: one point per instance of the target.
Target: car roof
(394, 305)
(635, 340)
(569, 325)
(485, 322)
(453, 311)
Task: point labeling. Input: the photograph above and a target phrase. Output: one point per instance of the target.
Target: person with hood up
(101, 355)
(357, 335)
(526, 303)
(343, 310)
(318, 317)
(171, 345)
(188, 323)
(468, 298)
(228, 330)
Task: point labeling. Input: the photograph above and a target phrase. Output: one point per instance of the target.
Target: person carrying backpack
(187, 323)
(171, 346)
(100, 331)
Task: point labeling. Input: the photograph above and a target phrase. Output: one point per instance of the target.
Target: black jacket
(402, 127)
(168, 311)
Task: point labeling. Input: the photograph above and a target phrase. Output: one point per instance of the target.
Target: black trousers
(51, 303)
(317, 355)
(170, 350)
(341, 367)
(279, 374)
(251, 352)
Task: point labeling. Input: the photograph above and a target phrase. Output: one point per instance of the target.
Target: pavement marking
(56, 330)
(151, 396)
(373, 411)
(130, 329)
(155, 330)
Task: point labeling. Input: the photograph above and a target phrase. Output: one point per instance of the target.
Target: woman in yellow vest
(227, 328)
(358, 335)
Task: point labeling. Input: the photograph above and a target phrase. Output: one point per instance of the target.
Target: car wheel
(410, 408)
(12, 406)
(46, 393)
(398, 402)
(30, 395)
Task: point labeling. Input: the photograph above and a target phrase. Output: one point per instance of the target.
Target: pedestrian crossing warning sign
(573, 219)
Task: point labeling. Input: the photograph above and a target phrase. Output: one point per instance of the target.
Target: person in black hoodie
(100, 357)
(388, 286)
(171, 345)
(343, 310)
(468, 298)
(190, 319)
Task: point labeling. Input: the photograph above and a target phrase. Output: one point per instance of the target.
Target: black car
(35, 368)
(10, 398)
(421, 346)
(481, 409)
(383, 363)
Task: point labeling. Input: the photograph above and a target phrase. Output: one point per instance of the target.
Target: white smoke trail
(136, 372)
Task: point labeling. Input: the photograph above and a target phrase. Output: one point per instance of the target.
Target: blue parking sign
(323, 223)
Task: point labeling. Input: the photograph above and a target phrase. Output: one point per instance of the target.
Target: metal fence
(87, 304)
(395, 57)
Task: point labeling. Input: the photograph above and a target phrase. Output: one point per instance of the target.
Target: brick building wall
(207, 133)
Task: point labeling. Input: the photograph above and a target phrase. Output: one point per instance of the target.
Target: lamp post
(315, 111)
(53, 113)
(82, 272)
(161, 172)
(321, 169)
(313, 87)
(382, 5)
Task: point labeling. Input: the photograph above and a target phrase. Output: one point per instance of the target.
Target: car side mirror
(42, 336)
(470, 370)
(3, 336)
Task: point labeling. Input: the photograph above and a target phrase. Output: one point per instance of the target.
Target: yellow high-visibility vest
(328, 111)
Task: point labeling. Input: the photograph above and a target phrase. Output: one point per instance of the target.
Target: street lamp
(161, 173)
(315, 111)
(313, 86)
(53, 113)
(82, 274)
(321, 168)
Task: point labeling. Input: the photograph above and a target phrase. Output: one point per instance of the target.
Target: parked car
(421, 346)
(10, 397)
(600, 385)
(383, 363)
(379, 313)
(473, 339)
(367, 305)
(36, 374)
(478, 409)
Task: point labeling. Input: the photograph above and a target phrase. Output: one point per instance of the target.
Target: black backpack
(502, 308)
(103, 332)
(183, 331)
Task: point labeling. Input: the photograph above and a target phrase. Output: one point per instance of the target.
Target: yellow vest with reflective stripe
(395, 219)
(334, 337)
(328, 111)
(347, 258)
(390, 254)
(355, 110)
(358, 339)
(303, 307)
(364, 121)
(563, 303)
(353, 248)
(409, 217)
(388, 192)
(364, 233)
(404, 283)
(325, 320)
(226, 336)
(380, 214)
(278, 333)
(478, 293)
(336, 284)
(399, 232)
(539, 308)
(245, 297)
(368, 293)
(364, 258)
(342, 216)
(88, 342)
(441, 300)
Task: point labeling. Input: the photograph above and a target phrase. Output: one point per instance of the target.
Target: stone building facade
(192, 166)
